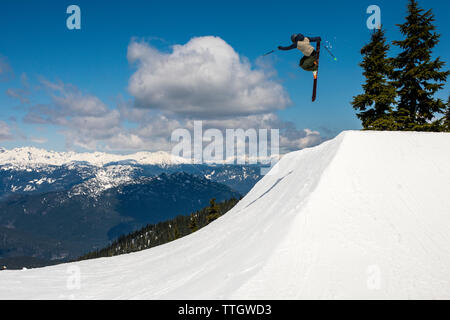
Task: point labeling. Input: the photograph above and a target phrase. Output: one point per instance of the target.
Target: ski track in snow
(362, 216)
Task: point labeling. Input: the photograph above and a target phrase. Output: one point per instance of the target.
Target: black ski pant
(307, 63)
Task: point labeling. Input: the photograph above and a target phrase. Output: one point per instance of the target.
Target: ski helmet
(293, 38)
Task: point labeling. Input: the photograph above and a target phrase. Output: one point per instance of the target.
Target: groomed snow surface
(363, 216)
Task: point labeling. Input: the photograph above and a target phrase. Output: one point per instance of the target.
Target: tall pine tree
(375, 104)
(193, 224)
(417, 77)
(213, 211)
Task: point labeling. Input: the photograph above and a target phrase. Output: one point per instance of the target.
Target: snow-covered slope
(365, 215)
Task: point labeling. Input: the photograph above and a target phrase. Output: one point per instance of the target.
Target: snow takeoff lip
(362, 216)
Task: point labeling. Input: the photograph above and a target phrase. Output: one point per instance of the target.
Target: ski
(315, 73)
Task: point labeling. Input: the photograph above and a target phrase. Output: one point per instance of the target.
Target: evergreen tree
(176, 232)
(375, 104)
(416, 76)
(193, 224)
(170, 233)
(156, 234)
(213, 211)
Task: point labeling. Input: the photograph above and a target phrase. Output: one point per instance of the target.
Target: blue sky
(37, 48)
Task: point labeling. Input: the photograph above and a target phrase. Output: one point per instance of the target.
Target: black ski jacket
(300, 37)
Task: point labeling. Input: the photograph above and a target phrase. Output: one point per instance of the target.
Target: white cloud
(204, 78)
(5, 132)
(38, 140)
(291, 138)
(22, 94)
(299, 139)
(84, 118)
(88, 123)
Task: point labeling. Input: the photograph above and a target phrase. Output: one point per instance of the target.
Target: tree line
(400, 92)
(154, 235)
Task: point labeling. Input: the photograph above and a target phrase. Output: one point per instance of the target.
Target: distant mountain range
(66, 224)
(30, 156)
(31, 170)
(56, 205)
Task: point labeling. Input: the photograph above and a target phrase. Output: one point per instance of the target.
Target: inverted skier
(309, 62)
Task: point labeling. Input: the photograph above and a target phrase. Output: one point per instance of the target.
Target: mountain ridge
(32, 156)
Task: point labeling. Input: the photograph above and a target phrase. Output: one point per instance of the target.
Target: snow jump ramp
(363, 216)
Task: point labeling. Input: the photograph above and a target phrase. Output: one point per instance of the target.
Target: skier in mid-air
(310, 60)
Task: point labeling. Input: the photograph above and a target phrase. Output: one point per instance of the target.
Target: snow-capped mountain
(105, 178)
(31, 170)
(30, 157)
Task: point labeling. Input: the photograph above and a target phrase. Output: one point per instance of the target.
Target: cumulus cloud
(88, 123)
(85, 119)
(73, 109)
(155, 129)
(202, 79)
(291, 138)
(299, 139)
